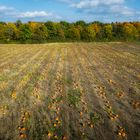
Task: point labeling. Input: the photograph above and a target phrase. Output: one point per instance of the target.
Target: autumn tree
(96, 27)
(12, 32)
(65, 31)
(137, 26)
(130, 31)
(2, 32)
(88, 34)
(108, 32)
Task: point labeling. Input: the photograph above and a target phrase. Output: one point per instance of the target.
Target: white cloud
(86, 10)
(124, 10)
(33, 14)
(95, 3)
(102, 7)
(10, 12)
(5, 8)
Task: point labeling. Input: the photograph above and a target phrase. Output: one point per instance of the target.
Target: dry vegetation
(74, 91)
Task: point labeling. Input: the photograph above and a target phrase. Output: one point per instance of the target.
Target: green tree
(40, 33)
(52, 30)
(81, 23)
(25, 32)
(64, 24)
(117, 31)
(73, 34)
(18, 23)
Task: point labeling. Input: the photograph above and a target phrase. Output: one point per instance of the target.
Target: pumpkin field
(70, 91)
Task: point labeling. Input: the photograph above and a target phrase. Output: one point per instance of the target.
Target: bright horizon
(70, 10)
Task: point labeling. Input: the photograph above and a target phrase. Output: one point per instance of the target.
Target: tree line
(41, 32)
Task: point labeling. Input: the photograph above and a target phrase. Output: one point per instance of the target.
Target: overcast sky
(70, 10)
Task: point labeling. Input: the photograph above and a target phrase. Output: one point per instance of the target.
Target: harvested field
(70, 91)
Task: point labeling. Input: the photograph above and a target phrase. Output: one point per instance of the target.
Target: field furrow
(70, 91)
